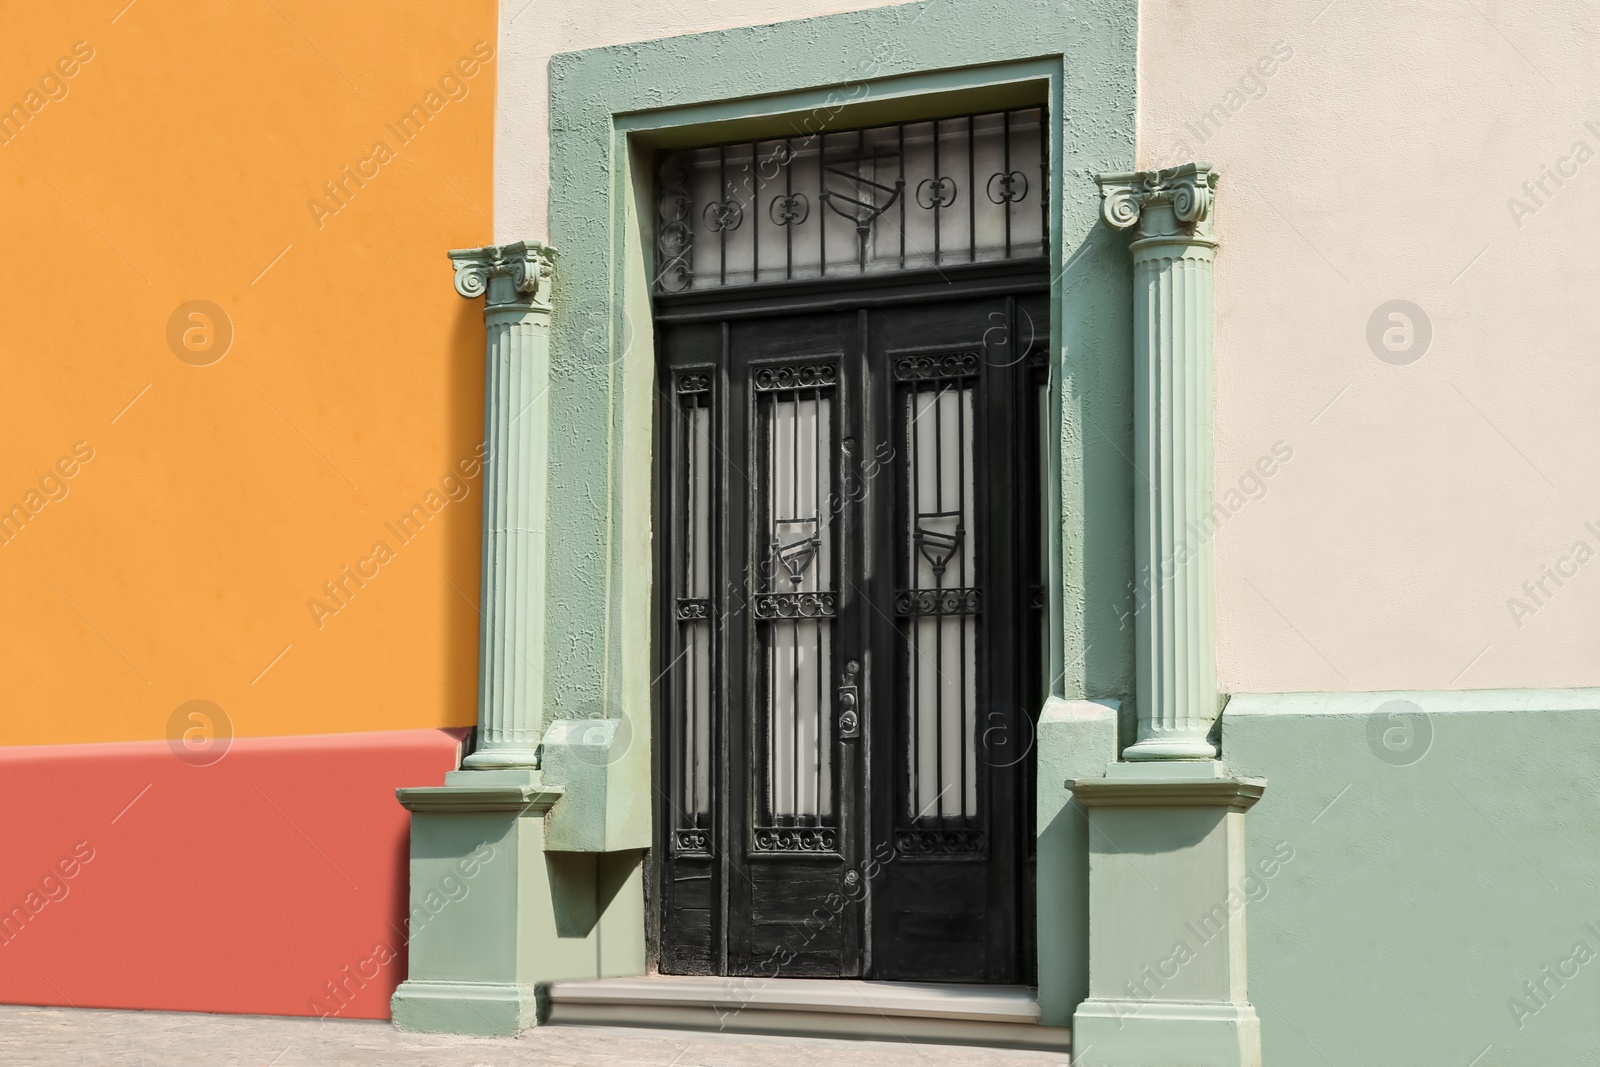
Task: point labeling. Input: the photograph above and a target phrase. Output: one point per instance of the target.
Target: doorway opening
(851, 334)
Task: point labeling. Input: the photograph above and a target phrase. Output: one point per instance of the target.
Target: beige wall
(1377, 164)
(1374, 163)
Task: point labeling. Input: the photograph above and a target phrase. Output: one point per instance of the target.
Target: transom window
(969, 189)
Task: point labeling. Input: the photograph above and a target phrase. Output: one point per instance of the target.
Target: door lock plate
(849, 714)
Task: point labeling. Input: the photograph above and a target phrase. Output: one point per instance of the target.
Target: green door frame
(611, 107)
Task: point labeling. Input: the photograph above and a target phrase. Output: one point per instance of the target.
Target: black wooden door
(847, 567)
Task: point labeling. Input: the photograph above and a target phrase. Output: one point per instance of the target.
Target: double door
(848, 603)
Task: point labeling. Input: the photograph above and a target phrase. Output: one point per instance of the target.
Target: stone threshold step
(993, 1016)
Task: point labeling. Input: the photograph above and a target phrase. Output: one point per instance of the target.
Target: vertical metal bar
(755, 213)
(938, 583)
(914, 683)
(816, 503)
(794, 727)
(770, 631)
(938, 208)
(861, 238)
(1005, 161)
(822, 216)
(972, 197)
(900, 132)
(788, 205)
(722, 231)
(794, 690)
(961, 620)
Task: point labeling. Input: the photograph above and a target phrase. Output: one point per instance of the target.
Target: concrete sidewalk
(65, 1037)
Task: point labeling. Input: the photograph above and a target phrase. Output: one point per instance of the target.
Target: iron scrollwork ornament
(935, 194)
(936, 842)
(798, 376)
(796, 839)
(792, 210)
(795, 605)
(724, 215)
(926, 366)
(1004, 187)
(694, 840)
(674, 233)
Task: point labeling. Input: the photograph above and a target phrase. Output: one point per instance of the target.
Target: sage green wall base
(1443, 900)
(485, 1009)
(1136, 1033)
(1076, 738)
(494, 914)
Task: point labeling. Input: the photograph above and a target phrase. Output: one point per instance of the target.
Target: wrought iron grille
(795, 605)
(940, 602)
(970, 189)
(693, 614)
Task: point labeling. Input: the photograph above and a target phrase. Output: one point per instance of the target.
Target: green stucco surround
(610, 107)
(837, 70)
(1077, 738)
(1444, 856)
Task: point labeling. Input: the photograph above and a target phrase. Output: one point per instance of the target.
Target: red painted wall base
(271, 882)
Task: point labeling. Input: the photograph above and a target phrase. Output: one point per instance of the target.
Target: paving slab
(75, 1037)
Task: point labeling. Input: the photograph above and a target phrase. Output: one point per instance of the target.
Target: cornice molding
(1235, 794)
(526, 799)
(523, 270)
(1171, 202)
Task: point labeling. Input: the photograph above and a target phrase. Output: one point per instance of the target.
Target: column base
(494, 759)
(1170, 748)
(483, 1009)
(1140, 1033)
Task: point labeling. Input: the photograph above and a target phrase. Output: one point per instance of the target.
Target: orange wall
(178, 562)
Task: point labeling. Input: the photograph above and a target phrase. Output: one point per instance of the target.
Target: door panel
(846, 619)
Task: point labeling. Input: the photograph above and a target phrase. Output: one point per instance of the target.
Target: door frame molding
(611, 108)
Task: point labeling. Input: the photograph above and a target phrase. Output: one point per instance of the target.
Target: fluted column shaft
(516, 281)
(1173, 257)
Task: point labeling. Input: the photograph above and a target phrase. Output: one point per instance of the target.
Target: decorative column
(516, 279)
(516, 871)
(1173, 256)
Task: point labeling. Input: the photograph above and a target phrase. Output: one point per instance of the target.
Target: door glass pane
(692, 659)
(939, 598)
(795, 607)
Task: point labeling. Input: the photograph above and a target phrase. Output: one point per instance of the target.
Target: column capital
(1170, 202)
(514, 276)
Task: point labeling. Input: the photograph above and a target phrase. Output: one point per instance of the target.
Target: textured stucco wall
(191, 158)
(1376, 164)
(1443, 858)
(531, 31)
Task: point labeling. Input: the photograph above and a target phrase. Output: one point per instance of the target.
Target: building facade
(1044, 495)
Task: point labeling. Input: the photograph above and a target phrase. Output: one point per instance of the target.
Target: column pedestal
(1167, 893)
